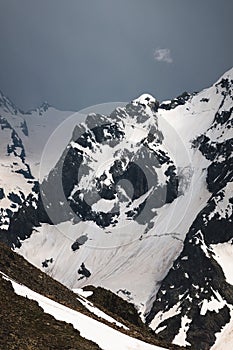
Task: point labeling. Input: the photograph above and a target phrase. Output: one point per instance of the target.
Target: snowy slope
(33, 128)
(106, 337)
(16, 180)
(23, 137)
(94, 309)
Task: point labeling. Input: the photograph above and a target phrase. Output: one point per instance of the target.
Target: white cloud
(163, 55)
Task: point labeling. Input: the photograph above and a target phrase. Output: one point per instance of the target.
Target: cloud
(163, 55)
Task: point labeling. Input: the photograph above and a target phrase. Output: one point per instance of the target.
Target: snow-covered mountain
(138, 201)
(23, 137)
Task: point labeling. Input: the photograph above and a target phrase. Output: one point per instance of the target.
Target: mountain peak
(145, 99)
(7, 104)
(227, 75)
(44, 106)
(41, 109)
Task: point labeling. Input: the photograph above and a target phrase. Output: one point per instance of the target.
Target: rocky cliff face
(196, 296)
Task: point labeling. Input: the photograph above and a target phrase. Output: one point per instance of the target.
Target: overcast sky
(76, 53)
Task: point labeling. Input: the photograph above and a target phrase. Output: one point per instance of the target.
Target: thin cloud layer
(163, 55)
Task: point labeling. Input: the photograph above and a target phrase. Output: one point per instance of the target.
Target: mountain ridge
(176, 156)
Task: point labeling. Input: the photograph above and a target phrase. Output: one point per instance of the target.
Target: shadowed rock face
(179, 101)
(81, 157)
(2, 195)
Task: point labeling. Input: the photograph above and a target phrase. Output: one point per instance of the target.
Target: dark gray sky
(76, 53)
